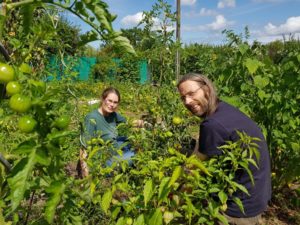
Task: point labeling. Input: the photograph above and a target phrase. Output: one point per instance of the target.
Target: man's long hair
(207, 86)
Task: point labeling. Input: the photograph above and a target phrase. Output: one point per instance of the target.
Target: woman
(103, 122)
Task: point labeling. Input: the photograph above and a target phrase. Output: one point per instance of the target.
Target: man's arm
(196, 151)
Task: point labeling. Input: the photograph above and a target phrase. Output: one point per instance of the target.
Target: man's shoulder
(226, 113)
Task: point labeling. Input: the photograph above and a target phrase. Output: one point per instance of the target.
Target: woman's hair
(207, 86)
(109, 90)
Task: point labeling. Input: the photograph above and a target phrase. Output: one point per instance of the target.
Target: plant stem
(29, 208)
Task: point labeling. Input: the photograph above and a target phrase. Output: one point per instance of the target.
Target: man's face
(193, 97)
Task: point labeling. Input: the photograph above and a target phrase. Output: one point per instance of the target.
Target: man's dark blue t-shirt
(220, 127)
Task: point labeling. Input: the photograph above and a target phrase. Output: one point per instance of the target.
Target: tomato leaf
(42, 158)
(243, 48)
(18, 180)
(25, 147)
(56, 190)
(260, 81)
(252, 65)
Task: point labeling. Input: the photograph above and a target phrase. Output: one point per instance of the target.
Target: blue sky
(202, 21)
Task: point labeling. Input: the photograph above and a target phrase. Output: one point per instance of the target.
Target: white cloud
(220, 23)
(188, 2)
(207, 12)
(157, 25)
(292, 25)
(271, 1)
(268, 38)
(132, 20)
(226, 3)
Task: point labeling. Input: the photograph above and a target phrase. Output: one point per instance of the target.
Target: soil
(275, 215)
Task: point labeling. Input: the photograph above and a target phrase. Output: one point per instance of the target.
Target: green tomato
(38, 84)
(7, 73)
(26, 124)
(62, 122)
(129, 221)
(176, 120)
(25, 68)
(13, 87)
(168, 134)
(94, 141)
(20, 103)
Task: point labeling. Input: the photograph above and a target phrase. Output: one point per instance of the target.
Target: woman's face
(110, 103)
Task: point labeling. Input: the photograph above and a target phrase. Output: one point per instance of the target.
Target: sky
(202, 21)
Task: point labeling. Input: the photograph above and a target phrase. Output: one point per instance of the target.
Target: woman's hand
(138, 123)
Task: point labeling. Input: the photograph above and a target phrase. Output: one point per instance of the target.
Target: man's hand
(196, 151)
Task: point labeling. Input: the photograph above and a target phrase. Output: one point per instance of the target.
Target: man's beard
(203, 104)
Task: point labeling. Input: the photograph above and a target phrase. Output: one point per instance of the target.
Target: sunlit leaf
(243, 48)
(223, 197)
(260, 81)
(239, 203)
(193, 161)
(252, 65)
(175, 175)
(163, 190)
(148, 191)
(140, 220)
(156, 218)
(106, 200)
(56, 190)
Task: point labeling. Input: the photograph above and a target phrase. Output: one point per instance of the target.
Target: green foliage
(169, 187)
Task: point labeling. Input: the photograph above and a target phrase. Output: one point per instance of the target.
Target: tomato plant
(20, 103)
(7, 73)
(26, 124)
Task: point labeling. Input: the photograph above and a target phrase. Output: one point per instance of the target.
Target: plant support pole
(178, 40)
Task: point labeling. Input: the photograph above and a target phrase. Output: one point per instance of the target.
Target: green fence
(79, 68)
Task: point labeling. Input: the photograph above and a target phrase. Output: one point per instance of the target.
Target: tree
(94, 13)
(159, 31)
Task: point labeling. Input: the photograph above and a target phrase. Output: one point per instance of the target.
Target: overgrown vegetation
(165, 186)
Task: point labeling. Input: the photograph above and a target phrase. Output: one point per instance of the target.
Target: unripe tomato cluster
(21, 103)
(17, 102)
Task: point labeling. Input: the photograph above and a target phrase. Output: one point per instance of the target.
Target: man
(220, 123)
